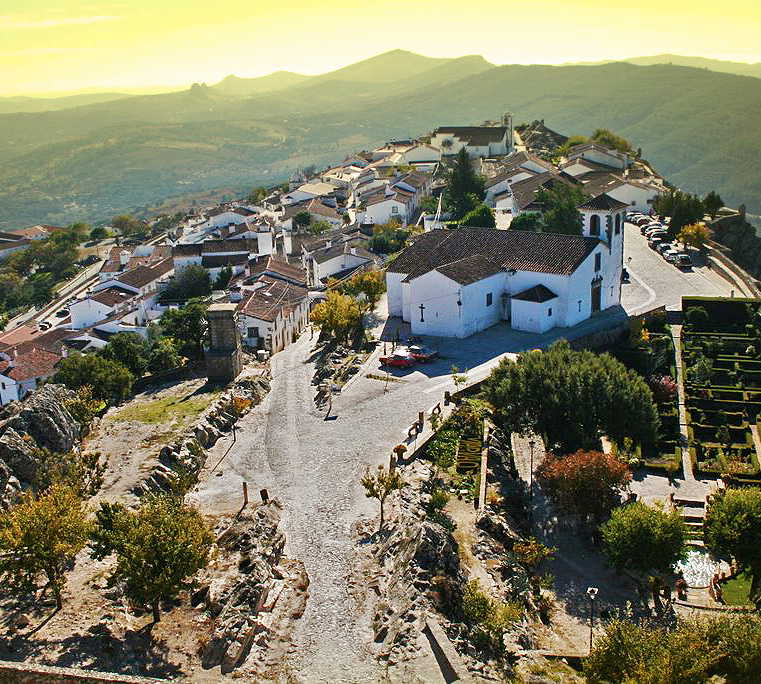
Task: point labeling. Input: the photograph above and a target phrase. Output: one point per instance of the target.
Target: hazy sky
(59, 45)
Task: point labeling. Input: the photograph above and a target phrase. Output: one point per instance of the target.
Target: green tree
(337, 315)
(83, 407)
(465, 189)
(42, 536)
(98, 233)
(188, 326)
(559, 209)
(529, 221)
(588, 483)
(388, 238)
(302, 219)
(257, 195)
(157, 548)
(479, 217)
(488, 618)
(191, 282)
(712, 202)
(605, 137)
(732, 530)
(318, 227)
(571, 398)
(380, 485)
(643, 539)
(164, 355)
(129, 226)
(110, 380)
(723, 648)
(223, 279)
(130, 350)
(369, 284)
(694, 235)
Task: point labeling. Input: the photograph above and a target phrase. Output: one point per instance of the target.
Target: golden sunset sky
(64, 45)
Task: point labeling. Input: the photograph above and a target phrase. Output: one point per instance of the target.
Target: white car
(671, 255)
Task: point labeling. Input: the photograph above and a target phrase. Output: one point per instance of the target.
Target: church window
(594, 225)
(618, 223)
(394, 210)
(598, 261)
(488, 298)
(579, 305)
(549, 311)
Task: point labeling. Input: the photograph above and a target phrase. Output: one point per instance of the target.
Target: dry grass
(166, 410)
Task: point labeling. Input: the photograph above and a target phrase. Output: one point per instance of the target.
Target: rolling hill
(96, 160)
(719, 65)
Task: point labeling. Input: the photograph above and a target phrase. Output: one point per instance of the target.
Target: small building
(478, 141)
(21, 373)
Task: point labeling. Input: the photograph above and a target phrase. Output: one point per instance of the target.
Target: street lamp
(592, 593)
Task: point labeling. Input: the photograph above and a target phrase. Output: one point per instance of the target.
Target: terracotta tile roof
(603, 203)
(36, 363)
(17, 336)
(512, 249)
(143, 275)
(271, 299)
(247, 245)
(51, 340)
(470, 269)
(524, 192)
(317, 207)
(112, 296)
(186, 250)
(538, 294)
(218, 260)
(279, 267)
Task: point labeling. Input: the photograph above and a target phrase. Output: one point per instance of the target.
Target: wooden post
(421, 419)
(265, 496)
(391, 464)
(245, 494)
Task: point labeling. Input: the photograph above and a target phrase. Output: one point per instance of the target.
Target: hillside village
(357, 317)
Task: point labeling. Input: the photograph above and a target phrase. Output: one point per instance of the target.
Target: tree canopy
(712, 202)
(479, 217)
(337, 315)
(128, 349)
(694, 235)
(699, 649)
(559, 209)
(188, 283)
(644, 539)
(129, 226)
(188, 327)
(588, 483)
(571, 398)
(370, 285)
(110, 380)
(388, 238)
(732, 530)
(530, 220)
(465, 189)
(157, 548)
(41, 536)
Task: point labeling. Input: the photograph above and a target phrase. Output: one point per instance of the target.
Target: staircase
(693, 514)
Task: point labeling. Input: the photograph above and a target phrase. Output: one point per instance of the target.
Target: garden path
(689, 475)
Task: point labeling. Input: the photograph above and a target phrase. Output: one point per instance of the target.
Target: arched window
(618, 223)
(594, 225)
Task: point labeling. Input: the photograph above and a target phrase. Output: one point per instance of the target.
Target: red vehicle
(398, 360)
(422, 353)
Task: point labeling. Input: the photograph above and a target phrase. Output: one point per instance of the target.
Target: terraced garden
(721, 353)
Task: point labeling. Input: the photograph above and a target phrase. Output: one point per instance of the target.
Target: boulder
(10, 488)
(45, 418)
(498, 527)
(19, 454)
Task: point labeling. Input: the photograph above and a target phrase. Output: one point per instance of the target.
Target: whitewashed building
(454, 283)
(478, 141)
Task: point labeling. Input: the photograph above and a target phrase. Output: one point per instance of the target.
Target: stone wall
(739, 236)
(28, 673)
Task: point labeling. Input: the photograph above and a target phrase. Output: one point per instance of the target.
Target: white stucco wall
(88, 312)
(394, 292)
(535, 317)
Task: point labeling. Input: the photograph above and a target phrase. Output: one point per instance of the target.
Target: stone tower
(224, 359)
(507, 120)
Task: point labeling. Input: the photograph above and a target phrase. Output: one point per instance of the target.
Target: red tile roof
(36, 363)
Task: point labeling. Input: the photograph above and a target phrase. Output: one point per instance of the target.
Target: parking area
(655, 282)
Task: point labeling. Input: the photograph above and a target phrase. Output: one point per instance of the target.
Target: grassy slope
(699, 127)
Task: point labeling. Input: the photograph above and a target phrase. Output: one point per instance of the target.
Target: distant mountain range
(720, 65)
(89, 161)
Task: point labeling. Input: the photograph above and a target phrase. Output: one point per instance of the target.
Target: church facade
(454, 283)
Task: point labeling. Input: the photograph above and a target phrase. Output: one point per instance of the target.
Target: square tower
(224, 356)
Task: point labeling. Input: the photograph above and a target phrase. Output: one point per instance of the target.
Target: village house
(454, 283)
(272, 313)
(478, 141)
(21, 373)
(10, 243)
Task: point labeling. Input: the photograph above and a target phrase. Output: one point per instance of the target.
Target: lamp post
(592, 593)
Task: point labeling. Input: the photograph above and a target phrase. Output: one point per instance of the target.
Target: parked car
(423, 354)
(684, 261)
(642, 221)
(664, 247)
(45, 325)
(655, 232)
(654, 242)
(62, 313)
(670, 255)
(649, 228)
(625, 276)
(398, 360)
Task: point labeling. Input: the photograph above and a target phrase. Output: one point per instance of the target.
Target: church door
(596, 295)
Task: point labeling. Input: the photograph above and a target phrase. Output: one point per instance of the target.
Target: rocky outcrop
(40, 421)
(255, 602)
(181, 461)
(44, 417)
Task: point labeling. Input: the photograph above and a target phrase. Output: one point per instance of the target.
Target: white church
(454, 283)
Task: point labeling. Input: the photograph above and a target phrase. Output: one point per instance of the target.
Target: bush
(489, 619)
